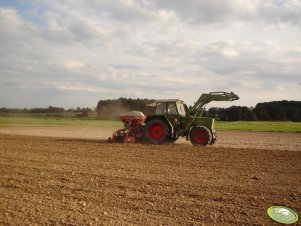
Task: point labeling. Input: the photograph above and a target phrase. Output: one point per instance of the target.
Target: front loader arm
(205, 98)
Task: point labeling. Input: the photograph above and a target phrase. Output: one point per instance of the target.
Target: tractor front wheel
(200, 135)
(156, 131)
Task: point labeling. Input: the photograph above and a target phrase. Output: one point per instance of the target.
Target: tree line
(267, 111)
(111, 109)
(56, 111)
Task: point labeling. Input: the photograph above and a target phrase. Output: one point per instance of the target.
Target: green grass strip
(259, 126)
(49, 121)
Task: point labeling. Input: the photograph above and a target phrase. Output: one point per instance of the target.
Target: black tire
(156, 131)
(200, 135)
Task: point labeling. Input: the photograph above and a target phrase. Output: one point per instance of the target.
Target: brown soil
(233, 139)
(84, 181)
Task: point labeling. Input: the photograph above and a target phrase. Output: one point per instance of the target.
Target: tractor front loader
(171, 120)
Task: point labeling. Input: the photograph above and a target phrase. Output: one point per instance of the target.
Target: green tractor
(173, 119)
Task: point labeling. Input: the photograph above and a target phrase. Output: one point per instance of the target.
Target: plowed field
(78, 180)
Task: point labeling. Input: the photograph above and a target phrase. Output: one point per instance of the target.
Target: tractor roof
(169, 100)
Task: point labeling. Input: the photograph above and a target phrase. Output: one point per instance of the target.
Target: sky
(72, 53)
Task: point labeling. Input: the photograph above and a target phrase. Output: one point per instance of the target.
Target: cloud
(210, 11)
(233, 11)
(75, 52)
(72, 28)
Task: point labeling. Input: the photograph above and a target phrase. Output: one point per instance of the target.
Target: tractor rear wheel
(156, 131)
(200, 135)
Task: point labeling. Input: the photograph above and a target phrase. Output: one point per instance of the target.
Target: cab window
(161, 108)
(171, 109)
(181, 109)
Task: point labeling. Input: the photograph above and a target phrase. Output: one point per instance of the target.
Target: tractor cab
(170, 107)
(172, 110)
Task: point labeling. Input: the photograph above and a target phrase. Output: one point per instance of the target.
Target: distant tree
(4, 110)
(213, 112)
(294, 114)
(233, 113)
(279, 110)
(85, 112)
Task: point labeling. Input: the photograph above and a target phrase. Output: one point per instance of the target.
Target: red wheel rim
(156, 131)
(199, 136)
